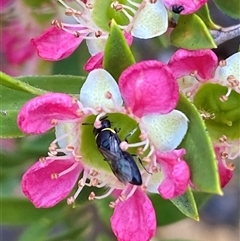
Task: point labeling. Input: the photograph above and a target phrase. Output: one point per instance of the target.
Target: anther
(57, 24)
(224, 155)
(112, 204)
(68, 12)
(91, 196)
(54, 122)
(188, 94)
(98, 34)
(54, 176)
(154, 169)
(222, 63)
(232, 81)
(140, 151)
(108, 95)
(70, 148)
(194, 73)
(223, 138)
(152, 1)
(76, 34)
(231, 166)
(94, 182)
(223, 98)
(93, 173)
(70, 200)
(81, 183)
(42, 159)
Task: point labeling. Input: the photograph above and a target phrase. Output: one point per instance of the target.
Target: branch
(224, 34)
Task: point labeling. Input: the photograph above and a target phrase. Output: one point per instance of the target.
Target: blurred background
(220, 216)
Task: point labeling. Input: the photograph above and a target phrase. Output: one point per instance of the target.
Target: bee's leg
(140, 161)
(130, 133)
(117, 130)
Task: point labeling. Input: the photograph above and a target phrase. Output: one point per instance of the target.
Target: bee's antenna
(87, 124)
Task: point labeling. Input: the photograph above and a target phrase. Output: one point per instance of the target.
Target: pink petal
(15, 44)
(36, 115)
(94, 62)
(134, 219)
(189, 6)
(225, 172)
(128, 37)
(149, 87)
(176, 173)
(56, 44)
(41, 189)
(185, 62)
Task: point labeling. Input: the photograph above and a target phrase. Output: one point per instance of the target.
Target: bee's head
(105, 123)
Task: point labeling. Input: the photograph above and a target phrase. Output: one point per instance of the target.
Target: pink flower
(162, 129)
(138, 222)
(146, 20)
(185, 6)
(15, 47)
(192, 68)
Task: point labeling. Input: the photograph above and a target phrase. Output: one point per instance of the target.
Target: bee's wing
(120, 166)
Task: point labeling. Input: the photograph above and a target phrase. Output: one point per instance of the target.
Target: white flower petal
(155, 181)
(97, 86)
(151, 21)
(61, 130)
(232, 67)
(96, 45)
(165, 131)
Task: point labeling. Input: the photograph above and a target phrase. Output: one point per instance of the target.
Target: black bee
(177, 9)
(121, 162)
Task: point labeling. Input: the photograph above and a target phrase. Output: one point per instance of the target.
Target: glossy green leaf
(231, 8)
(186, 204)
(191, 33)
(167, 212)
(226, 117)
(204, 14)
(18, 211)
(12, 100)
(200, 155)
(12, 83)
(117, 54)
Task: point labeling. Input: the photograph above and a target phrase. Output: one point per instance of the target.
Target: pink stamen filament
(68, 169)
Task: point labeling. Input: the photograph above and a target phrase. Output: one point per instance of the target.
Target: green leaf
(232, 8)
(204, 14)
(167, 212)
(200, 155)
(12, 100)
(117, 54)
(191, 33)
(226, 117)
(187, 205)
(18, 211)
(15, 84)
